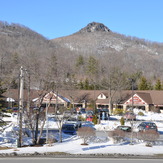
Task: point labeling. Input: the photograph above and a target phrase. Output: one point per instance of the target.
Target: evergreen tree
(2, 89)
(158, 85)
(143, 84)
(80, 61)
(150, 86)
(81, 85)
(86, 84)
(92, 66)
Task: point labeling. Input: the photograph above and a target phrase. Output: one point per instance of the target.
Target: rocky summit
(94, 27)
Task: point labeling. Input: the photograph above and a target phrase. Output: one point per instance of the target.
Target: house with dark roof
(146, 100)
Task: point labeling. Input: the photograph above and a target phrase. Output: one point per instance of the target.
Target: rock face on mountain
(95, 27)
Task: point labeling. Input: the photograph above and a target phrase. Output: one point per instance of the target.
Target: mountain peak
(95, 27)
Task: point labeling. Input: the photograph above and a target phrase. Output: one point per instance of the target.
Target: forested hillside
(93, 56)
(20, 46)
(128, 53)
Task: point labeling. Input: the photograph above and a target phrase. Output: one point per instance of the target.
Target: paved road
(76, 160)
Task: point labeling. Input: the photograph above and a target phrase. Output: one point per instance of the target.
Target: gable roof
(157, 97)
(145, 96)
(78, 96)
(154, 97)
(139, 98)
(52, 96)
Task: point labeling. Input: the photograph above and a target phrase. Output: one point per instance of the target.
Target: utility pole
(132, 82)
(20, 106)
(132, 123)
(29, 89)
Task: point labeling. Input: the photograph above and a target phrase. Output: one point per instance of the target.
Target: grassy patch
(159, 155)
(4, 148)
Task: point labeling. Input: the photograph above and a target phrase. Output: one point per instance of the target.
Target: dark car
(69, 129)
(82, 111)
(147, 126)
(124, 128)
(129, 116)
(77, 122)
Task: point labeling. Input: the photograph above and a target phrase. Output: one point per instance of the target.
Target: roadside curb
(67, 155)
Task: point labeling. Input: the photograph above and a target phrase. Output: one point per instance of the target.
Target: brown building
(146, 100)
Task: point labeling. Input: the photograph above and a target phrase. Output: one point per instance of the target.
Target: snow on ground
(72, 143)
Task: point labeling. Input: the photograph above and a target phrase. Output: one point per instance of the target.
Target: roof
(52, 97)
(157, 97)
(145, 96)
(14, 94)
(102, 101)
(79, 96)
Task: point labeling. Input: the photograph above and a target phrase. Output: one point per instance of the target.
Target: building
(148, 100)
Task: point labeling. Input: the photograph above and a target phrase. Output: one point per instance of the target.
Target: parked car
(143, 126)
(124, 128)
(75, 121)
(15, 109)
(83, 111)
(89, 113)
(129, 116)
(67, 114)
(69, 128)
(89, 118)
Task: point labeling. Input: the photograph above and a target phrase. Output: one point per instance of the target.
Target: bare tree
(85, 133)
(149, 136)
(43, 123)
(117, 135)
(114, 81)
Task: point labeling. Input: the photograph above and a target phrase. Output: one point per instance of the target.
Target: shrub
(117, 135)
(141, 113)
(149, 136)
(81, 118)
(118, 111)
(122, 121)
(85, 133)
(156, 110)
(94, 120)
(51, 141)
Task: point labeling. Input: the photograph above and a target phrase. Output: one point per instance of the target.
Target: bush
(85, 133)
(118, 111)
(156, 110)
(141, 113)
(149, 136)
(117, 135)
(122, 121)
(81, 118)
(94, 120)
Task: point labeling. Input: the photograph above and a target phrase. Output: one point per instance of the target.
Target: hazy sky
(57, 18)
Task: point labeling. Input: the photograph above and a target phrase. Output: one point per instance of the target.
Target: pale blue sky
(57, 18)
